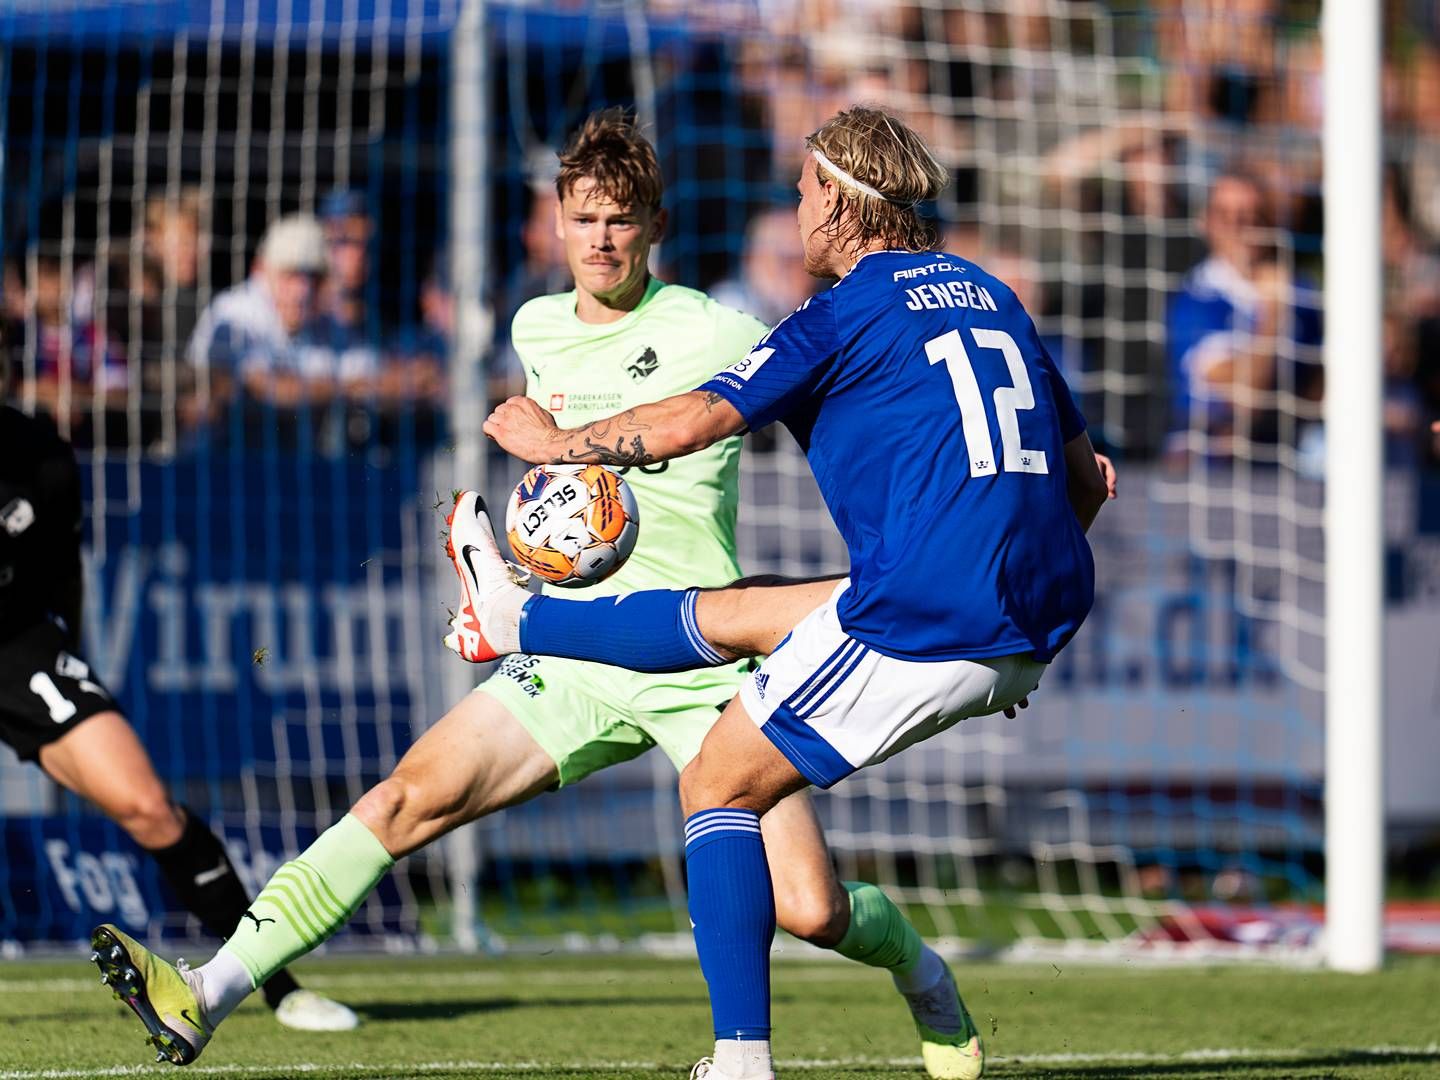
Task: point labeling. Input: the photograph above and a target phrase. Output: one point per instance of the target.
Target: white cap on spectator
(542, 166)
(295, 242)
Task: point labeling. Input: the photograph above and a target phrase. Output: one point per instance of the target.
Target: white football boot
(486, 624)
(305, 1010)
(705, 1070)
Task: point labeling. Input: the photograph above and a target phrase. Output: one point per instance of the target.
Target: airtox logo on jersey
(17, 516)
(643, 365)
(557, 402)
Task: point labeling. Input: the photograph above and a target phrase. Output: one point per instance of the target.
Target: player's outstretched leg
(307, 900)
(201, 875)
(476, 759)
(166, 998)
(103, 761)
(303, 904)
(652, 630)
(860, 922)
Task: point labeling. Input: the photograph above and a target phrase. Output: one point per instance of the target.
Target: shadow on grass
(443, 1009)
(1261, 1067)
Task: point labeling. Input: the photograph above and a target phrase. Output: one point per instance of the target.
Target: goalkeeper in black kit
(54, 710)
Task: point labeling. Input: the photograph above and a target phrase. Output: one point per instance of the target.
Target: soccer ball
(572, 525)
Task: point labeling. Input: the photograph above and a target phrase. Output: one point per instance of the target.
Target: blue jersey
(934, 421)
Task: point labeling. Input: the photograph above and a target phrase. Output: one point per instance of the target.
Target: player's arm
(1085, 486)
(758, 389)
(661, 430)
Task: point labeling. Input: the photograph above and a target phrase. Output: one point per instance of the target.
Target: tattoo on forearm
(711, 399)
(612, 442)
(619, 455)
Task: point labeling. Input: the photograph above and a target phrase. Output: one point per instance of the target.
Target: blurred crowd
(293, 346)
(1146, 175)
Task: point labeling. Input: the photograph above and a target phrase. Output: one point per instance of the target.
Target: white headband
(844, 177)
(860, 186)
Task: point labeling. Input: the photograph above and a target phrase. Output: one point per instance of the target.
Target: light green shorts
(589, 716)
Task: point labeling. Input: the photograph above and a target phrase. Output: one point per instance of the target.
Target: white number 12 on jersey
(949, 350)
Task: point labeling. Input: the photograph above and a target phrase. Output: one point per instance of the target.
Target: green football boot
(957, 1056)
(158, 993)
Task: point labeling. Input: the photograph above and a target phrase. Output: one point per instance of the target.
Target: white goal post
(1354, 586)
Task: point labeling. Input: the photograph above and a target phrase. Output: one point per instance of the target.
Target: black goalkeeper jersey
(40, 522)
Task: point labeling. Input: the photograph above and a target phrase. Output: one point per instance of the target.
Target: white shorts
(833, 705)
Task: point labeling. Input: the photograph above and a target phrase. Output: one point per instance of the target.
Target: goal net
(266, 584)
(260, 536)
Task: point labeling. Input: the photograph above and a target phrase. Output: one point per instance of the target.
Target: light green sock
(309, 898)
(879, 933)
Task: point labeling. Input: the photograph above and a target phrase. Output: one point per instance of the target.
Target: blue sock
(653, 630)
(733, 908)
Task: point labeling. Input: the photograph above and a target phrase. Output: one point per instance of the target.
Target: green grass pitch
(610, 1016)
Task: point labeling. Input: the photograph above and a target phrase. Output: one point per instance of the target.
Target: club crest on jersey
(643, 365)
(557, 402)
(17, 516)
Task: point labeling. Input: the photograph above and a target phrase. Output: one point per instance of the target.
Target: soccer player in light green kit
(620, 339)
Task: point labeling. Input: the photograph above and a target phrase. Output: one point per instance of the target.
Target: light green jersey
(671, 343)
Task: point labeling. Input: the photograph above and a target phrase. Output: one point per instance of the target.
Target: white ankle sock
(501, 624)
(743, 1059)
(224, 983)
(928, 971)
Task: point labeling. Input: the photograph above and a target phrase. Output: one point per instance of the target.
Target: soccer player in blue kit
(956, 467)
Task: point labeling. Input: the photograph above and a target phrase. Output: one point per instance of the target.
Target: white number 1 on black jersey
(1009, 400)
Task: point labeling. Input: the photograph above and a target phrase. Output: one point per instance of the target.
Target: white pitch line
(441, 1068)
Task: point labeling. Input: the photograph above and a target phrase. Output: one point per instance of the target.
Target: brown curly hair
(609, 150)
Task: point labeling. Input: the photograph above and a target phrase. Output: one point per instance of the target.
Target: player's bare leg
(750, 617)
(445, 781)
(103, 761)
(476, 760)
(810, 902)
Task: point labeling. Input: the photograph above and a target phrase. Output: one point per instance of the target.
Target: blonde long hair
(882, 152)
